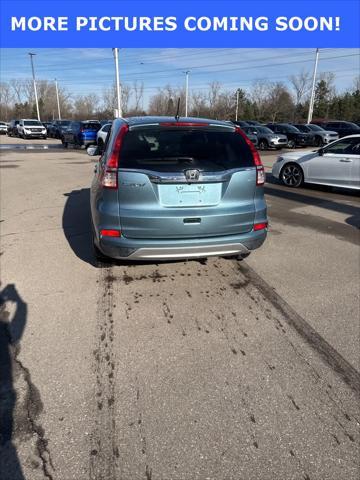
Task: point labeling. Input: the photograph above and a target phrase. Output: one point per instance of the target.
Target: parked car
(47, 125)
(342, 128)
(251, 136)
(57, 127)
(12, 130)
(102, 134)
(267, 138)
(81, 133)
(320, 136)
(240, 123)
(337, 164)
(172, 189)
(31, 128)
(3, 128)
(294, 136)
(105, 122)
(255, 123)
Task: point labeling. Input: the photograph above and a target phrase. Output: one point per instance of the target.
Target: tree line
(263, 101)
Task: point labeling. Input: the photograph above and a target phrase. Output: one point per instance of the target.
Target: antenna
(177, 116)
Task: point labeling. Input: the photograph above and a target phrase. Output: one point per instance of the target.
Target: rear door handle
(346, 160)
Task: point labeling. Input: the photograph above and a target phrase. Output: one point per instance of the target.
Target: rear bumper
(135, 249)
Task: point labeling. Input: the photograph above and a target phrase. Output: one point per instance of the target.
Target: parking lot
(212, 369)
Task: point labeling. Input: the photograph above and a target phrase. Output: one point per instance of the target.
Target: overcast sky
(83, 71)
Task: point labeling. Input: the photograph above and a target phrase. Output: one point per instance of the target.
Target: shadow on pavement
(274, 188)
(76, 224)
(10, 334)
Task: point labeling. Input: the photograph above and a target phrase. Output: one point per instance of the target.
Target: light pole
(35, 91)
(237, 104)
(312, 98)
(186, 91)
(118, 88)
(57, 98)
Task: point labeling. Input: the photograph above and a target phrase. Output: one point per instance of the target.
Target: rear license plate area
(190, 195)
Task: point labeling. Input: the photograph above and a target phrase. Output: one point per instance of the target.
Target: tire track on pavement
(328, 353)
(104, 452)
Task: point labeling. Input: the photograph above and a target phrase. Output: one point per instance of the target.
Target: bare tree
(125, 98)
(356, 84)
(138, 89)
(85, 106)
(259, 94)
(301, 84)
(279, 104)
(6, 98)
(199, 104)
(213, 96)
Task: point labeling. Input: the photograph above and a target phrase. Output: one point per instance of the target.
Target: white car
(29, 128)
(337, 165)
(3, 128)
(102, 134)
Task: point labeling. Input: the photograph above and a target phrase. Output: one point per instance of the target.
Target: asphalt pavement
(198, 370)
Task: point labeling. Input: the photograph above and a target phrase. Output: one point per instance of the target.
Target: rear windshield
(302, 128)
(315, 127)
(264, 130)
(64, 122)
(168, 150)
(290, 128)
(33, 122)
(91, 126)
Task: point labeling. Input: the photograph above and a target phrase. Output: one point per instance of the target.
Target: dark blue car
(81, 133)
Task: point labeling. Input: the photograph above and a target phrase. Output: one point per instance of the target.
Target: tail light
(260, 171)
(110, 233)
(110, 175)
(260, 226)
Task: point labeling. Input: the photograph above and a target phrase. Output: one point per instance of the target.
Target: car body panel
(267, 139)
(103, 133)
(298, 138)
(343, 128)
(12, 129)
(320, 136)
(3, 128)
(340, 169)
(31, 128)
(162, 214)
(81, 133)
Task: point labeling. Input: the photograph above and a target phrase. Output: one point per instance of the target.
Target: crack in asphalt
(32, 401)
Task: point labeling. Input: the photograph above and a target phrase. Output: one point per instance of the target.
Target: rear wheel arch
(297, 180)
(263, 143)
(318, 141)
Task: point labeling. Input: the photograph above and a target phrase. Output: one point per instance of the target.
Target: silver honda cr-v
(173, 188)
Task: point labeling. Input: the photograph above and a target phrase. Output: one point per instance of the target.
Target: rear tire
(319, 142)
(242, 256)
(291, 144)
(291, 175)
(263, 145)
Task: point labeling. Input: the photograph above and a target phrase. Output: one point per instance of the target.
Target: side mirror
(320, 152)
(93, 150)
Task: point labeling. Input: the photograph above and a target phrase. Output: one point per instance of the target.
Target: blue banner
(160, 23)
